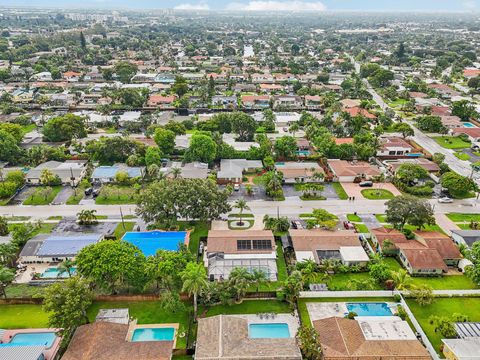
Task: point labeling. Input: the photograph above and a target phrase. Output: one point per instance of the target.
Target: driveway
(289, 191)
(22, 195)
(63, 195)
(329, 192)
(258, 193)
(356, 191)
(370, 221)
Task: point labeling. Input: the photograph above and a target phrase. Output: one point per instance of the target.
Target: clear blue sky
(376, 5)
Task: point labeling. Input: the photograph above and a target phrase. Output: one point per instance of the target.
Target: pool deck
(48, 353)
(133, 326)
(322, 310)
(292, 321)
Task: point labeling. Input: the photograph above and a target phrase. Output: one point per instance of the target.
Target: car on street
(366, 184)
(445, 200)
(236, 187)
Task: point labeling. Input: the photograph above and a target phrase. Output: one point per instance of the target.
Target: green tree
(4, 231)
(165, 267)
(292, 287)
(457, 185)
(445, 324)
(153, 156)
(379, 271)
(407, 173)
(465, 110)
(125, 71)
(48, 178)
(6, 278)
(309, 343)
(66, 303)
(13, 129)
(180, 86)
(324, 219)
(65, 128)
(83, 42)
(258, 277)
(409, 209)
(66, 267)
(401, 279)
(202, 148)
(112, 264)
(110, 150)
(87, 217)
(241, 205)
(10, 150)
(239, 281)
(243, 125)
(422, 294)
(285, 147)
(281, 224)
(474, 255)
(165, 140)
(431, 124)
(404, 129)
(194, 279)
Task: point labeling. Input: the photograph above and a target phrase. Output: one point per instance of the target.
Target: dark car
(88, 191)
(366, 184)
(95, 193)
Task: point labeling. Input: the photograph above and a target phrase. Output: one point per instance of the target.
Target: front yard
(22, 317)
(42, 195)
(451, 142)
(377, 194)
(116, 195)
(342, 195)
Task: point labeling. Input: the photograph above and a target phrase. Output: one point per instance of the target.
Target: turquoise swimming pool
(32, 339)
(369, 309)
(468, 125)
(54, 273)
(268, 331)
(152, 241)
(153, 334)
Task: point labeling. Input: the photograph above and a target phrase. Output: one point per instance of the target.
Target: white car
(445, 200)
(236, 187)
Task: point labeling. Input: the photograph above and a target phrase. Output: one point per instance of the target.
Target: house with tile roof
(394, 147)
(386, 239)
(352, 171)
(299, 172)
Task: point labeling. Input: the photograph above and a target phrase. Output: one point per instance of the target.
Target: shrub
(397, 298)
(351, 315)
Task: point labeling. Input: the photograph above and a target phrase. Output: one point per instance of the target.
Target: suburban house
(470, 73)
(107, 174)
(256, 101)
(472, 133)
(386, 239)
(430, 166)
(161, 101)
(368, 339)
(319, 245)
(72, 76)
(313, 102)
(193, 170)
(358, 111)
(466, 237)
(392, 147)
(231, 140)
(299, 172)
(451, 121)
(105, 340)
(228, 337)
(431, 253)
(250, 249)
(225, 102)
(70, 172)
(466, 345)
(42, 76)
(56, 248)
(352, 171)
(287, 101)
(231, 170)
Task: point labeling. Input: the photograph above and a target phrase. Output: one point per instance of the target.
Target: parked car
(95, 193)
(366, 184)
(348, 225)
(445, 200)
(236, 187)
(88, 191)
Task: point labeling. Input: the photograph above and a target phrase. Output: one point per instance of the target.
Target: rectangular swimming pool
(32, 339)
(149, 242)
(269, 331)
(54, 273)
(153, 334)
(369, 309)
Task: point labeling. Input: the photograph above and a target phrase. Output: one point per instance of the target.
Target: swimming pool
(468, 125)
(154, 334)
(54, 273)
(32, 339)
(268, 331)
(149, 242)
(303, 152)
(369, 309)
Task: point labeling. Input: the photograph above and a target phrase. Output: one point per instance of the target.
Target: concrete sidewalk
(445, 223)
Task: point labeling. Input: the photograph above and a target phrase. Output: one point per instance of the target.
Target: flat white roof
(385, 328)
(465, 349)
(353, 253)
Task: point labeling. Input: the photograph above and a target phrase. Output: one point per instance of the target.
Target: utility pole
(121, 215)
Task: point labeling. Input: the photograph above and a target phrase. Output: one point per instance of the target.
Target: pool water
(153, 334)
(32, 339)
(369, 309)
(268, 331)
(149, 242)
(53, 273)
(303, 152)
(468, 125)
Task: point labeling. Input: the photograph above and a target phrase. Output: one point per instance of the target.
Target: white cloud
(199, 6)
(469, 5)
(274, 5)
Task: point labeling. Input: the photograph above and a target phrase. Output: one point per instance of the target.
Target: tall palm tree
(241, 205)
(87, 217)
(259, 277)
(194, 279)
(66, 267)
(176, 172)
(239, 280)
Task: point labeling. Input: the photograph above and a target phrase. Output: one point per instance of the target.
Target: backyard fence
(346, 294)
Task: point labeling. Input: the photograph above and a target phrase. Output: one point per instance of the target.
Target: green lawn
(116, 195)
(200, 229)
(121, 230)
(232, 224)
(451, 142)
(147, 312)
(75, 199)
(24, 291)
(444, 307)
(340, 190)
(397, 103)
(243, 215)
(246, 307)
(460, 217)
(377, 194)
(462, 156)
(447, 282)
(36, 196)
(22, 317)
(302, 304)
(381, 218)
(434, 227)
(354, 218)
(361, 228)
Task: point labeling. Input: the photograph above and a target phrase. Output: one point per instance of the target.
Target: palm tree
(66, 267)
(176, 172)
(87, 217)
(241, 205)
(239, 280)
(194, 279)
(6, 278)
(401, 279)
(293, 128)
(259, 277)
